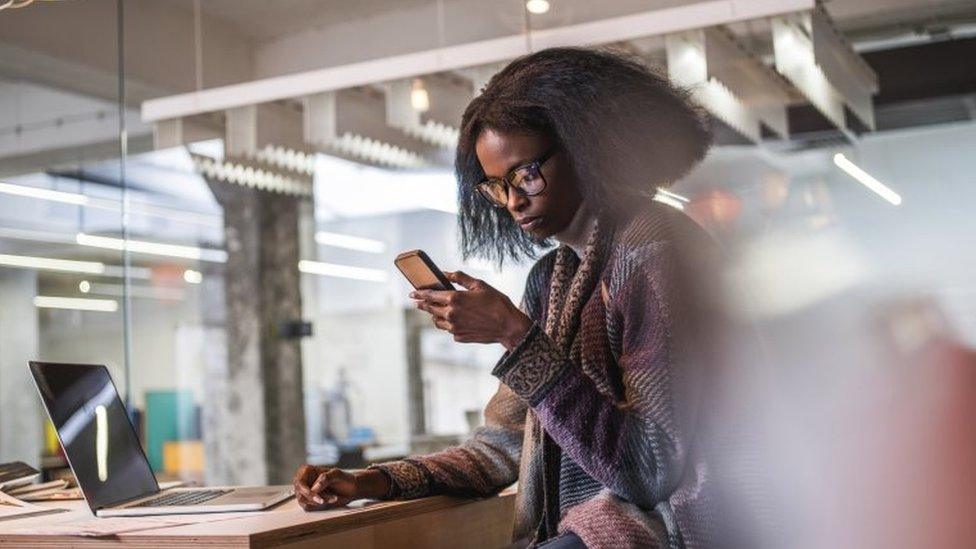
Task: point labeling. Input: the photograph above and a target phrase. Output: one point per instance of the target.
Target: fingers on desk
(303, 478)
(309, 504)
(326, 478)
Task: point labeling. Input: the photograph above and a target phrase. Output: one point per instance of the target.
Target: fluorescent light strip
(118, 271)
(866, 179)
(152, 248)
(49, 264)
(350, 242)
(341, 271)
(179, 216)
(675, 196)
(144, 292)
(36, 236)
(44, 194)
(76, 303)
(79, 199)
(665, 199)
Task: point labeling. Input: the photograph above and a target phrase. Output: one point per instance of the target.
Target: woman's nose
(516, 201)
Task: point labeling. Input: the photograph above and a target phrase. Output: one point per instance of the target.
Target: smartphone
(421, 271)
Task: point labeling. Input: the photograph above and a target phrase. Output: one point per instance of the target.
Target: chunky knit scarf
(568, 291)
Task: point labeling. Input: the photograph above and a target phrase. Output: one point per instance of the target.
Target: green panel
(170, 415)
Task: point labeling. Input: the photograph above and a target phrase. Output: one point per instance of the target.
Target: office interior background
(207, 197)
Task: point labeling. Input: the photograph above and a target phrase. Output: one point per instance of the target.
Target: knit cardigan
(614, 398)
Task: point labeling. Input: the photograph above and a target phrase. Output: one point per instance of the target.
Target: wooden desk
(430, 522)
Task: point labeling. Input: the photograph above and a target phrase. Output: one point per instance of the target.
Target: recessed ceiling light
(537, 7)
(84, 286)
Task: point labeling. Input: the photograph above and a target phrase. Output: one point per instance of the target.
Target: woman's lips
(529, 223)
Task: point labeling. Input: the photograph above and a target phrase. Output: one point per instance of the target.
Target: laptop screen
(95, 432)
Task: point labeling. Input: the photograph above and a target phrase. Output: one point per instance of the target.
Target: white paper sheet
(13, 508)
(99, 527)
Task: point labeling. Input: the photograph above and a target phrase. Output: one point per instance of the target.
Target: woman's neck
(578, 231)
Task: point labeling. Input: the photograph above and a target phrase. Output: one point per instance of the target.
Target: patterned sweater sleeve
(635, 448)
(488, 461)
(483, 465)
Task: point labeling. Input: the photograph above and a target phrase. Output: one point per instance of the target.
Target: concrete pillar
(414, 323)
(234, 414)
(281, 301)
(308, 249)
(21, 417)
(255, 424)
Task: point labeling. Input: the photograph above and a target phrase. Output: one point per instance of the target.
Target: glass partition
(110, 252)
(59, 180)
(380, 380)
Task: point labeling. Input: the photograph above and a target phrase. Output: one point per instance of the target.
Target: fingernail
(318, 500)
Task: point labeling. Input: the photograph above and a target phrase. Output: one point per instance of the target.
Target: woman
(591, 416)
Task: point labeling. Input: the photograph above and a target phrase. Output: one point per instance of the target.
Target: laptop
(107, 459)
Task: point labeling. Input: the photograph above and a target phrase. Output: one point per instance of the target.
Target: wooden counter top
(429, 522)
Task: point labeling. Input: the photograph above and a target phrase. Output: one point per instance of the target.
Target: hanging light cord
(198, 44)
(528, 27)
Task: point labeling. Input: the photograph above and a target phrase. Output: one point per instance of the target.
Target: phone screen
(421, 275)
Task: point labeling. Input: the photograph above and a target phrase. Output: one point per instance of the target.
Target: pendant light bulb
(419, 98)
(537, 7)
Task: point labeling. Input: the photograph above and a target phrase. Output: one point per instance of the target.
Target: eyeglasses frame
(537, 163)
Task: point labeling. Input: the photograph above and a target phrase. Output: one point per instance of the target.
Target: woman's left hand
(479, 314)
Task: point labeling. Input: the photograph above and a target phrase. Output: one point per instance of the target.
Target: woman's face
(544, 214)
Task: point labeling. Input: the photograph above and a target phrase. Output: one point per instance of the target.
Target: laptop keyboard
(189, 497)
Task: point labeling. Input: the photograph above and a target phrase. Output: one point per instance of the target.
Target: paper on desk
(13, 508)
(100, 527)
(8, 512)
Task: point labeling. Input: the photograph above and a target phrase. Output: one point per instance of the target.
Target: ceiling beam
(614, 29)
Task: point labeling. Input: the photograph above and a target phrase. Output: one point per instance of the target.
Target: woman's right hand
(318, 487)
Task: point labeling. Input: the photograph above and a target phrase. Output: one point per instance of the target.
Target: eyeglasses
(526, 179)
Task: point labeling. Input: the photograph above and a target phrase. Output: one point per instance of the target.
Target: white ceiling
(265, 20)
